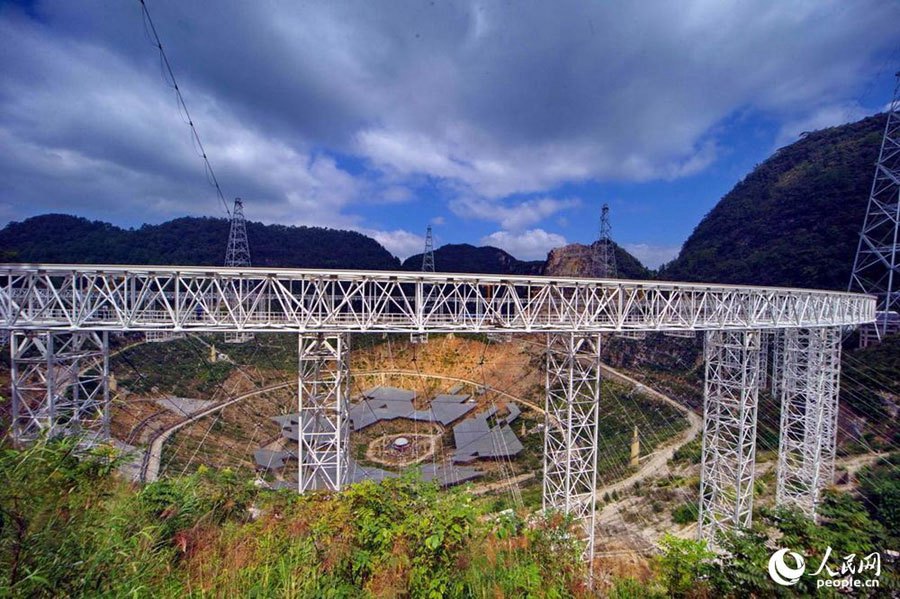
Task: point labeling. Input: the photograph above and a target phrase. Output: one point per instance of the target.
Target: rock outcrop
(575, 260)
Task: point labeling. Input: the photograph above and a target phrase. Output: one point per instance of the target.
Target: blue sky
(502, 123)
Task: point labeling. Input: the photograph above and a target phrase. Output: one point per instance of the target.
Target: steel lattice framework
(323, 428)
(83, 302)
(238, 251)
(238, 255)
(765, 344)
(60, 384)
(809, 400)
(876, 269)
(777, 366)
(604, 256)
(427, 266)
(571, 427)
(428, 254)
(729, 430)
(198, 299)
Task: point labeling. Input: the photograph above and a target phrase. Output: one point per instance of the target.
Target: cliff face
(574, 260)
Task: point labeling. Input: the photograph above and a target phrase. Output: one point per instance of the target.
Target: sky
(505, 123)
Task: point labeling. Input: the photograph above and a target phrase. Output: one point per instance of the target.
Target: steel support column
(729, 431)
(60, 384)
(323, 392)
(777, 363)
(809, 400)
(765, 342)
(571, 428)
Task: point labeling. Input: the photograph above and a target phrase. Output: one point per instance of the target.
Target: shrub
(686, 513)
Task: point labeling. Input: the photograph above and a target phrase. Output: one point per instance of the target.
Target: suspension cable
(211, 175)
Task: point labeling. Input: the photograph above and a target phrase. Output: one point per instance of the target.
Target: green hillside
(62, 238)
(794, 220)
(630, 267)
(463, 257)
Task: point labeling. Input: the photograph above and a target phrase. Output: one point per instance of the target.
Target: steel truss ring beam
(199, 299)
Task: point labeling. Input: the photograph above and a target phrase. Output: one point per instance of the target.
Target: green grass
(181, 367)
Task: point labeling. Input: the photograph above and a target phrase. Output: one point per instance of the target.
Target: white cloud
(130, 143)
(466, 158)
(527, 245)
(548, 110)
(478, 100)
(652, 256)
(400, 243)
(396, 194)
(513, 217)
(821, 118)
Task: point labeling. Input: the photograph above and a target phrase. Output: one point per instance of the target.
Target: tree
(684, 566)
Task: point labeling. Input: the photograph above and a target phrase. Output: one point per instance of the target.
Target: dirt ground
(494, 374)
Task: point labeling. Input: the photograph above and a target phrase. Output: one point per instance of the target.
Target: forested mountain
(463, 257)
(794, 220)
(59, 238)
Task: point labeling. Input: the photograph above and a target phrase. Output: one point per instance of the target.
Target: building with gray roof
(475, 438)
(391, 403)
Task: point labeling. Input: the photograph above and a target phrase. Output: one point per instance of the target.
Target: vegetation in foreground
(687, 568)
(71, 528)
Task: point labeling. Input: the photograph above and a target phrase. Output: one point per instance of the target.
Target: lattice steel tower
(876, 269)
(604, 256)
(238, 254)
(428, 256)
(810, 366)
(572, 429)
(730, 401)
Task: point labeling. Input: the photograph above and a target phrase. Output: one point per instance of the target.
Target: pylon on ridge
(604, 254)
(238, 252)
(428, 255)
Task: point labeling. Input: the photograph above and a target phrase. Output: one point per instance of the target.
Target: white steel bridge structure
(59, 316)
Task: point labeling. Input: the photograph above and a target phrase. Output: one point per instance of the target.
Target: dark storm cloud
(489, 99)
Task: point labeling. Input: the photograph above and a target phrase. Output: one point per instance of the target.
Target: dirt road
(657, 462)
(153, 455)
